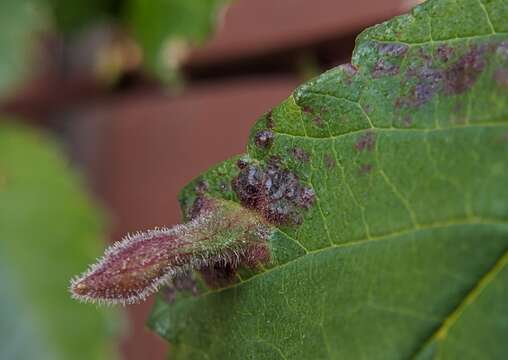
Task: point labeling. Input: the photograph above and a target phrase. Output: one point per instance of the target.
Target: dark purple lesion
(316, 115)
(366, 142)
(200, 205)
(444, 52)
(384, 67)
(219, 274)
(427, 81)
(389, 60)
(463, 74)
(264, 139)
(349, 69)
(329, 161)
(201, 187)
(274, 192)
(501, 77)
(269, 120)
(429, 78)
(392, 49)
(300, 155)
(365, 169)
(349, 72)
(224, 273)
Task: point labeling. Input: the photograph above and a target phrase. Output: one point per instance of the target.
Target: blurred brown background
(139, 144)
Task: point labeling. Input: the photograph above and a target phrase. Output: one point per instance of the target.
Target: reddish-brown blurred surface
(138, 147)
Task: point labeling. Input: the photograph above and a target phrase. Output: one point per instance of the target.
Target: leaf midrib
(388, 236)
(442, 331)
(394, 129)
(427, 42)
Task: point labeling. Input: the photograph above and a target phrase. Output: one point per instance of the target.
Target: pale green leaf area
(20, 20)
(167, 28)
(404, 253)
(49, 231)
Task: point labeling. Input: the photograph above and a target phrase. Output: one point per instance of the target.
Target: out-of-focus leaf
(72, 16)
(20, 20)
(167, 28)
(49, 231)
(404, 252)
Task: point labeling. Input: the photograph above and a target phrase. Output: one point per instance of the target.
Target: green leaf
(20, 21)
(49, 231)
(404, 252)
(73, 16)
(167, 28)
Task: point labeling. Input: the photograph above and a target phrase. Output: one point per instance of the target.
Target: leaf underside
(404, 253)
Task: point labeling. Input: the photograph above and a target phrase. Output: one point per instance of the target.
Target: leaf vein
(474, 37)
(382, 237)
(487, 16)
(397, 193)
(442, 331)
(379, 129)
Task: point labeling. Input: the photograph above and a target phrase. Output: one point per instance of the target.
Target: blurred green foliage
(19, 20)
(166, 28)
(49, 231)
(163, 30)
(73, 16)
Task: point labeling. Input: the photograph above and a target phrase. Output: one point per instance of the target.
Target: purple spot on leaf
(365, 169)
(269, 120)
(264, 139)
(201, 187)
(444, 52)
(501, 77)
(307, 109)
(384, 68)
(300, 154)
(462, 75)
(241, 163)
(330, 162)
(393, 49)
(274, 192)
(366, 141)
(349, 69)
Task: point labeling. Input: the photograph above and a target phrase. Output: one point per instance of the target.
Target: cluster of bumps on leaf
(273, 191)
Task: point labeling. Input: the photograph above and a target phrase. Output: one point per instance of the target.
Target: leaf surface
(404, 252)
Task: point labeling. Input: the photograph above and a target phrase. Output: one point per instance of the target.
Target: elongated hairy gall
(137, 266)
